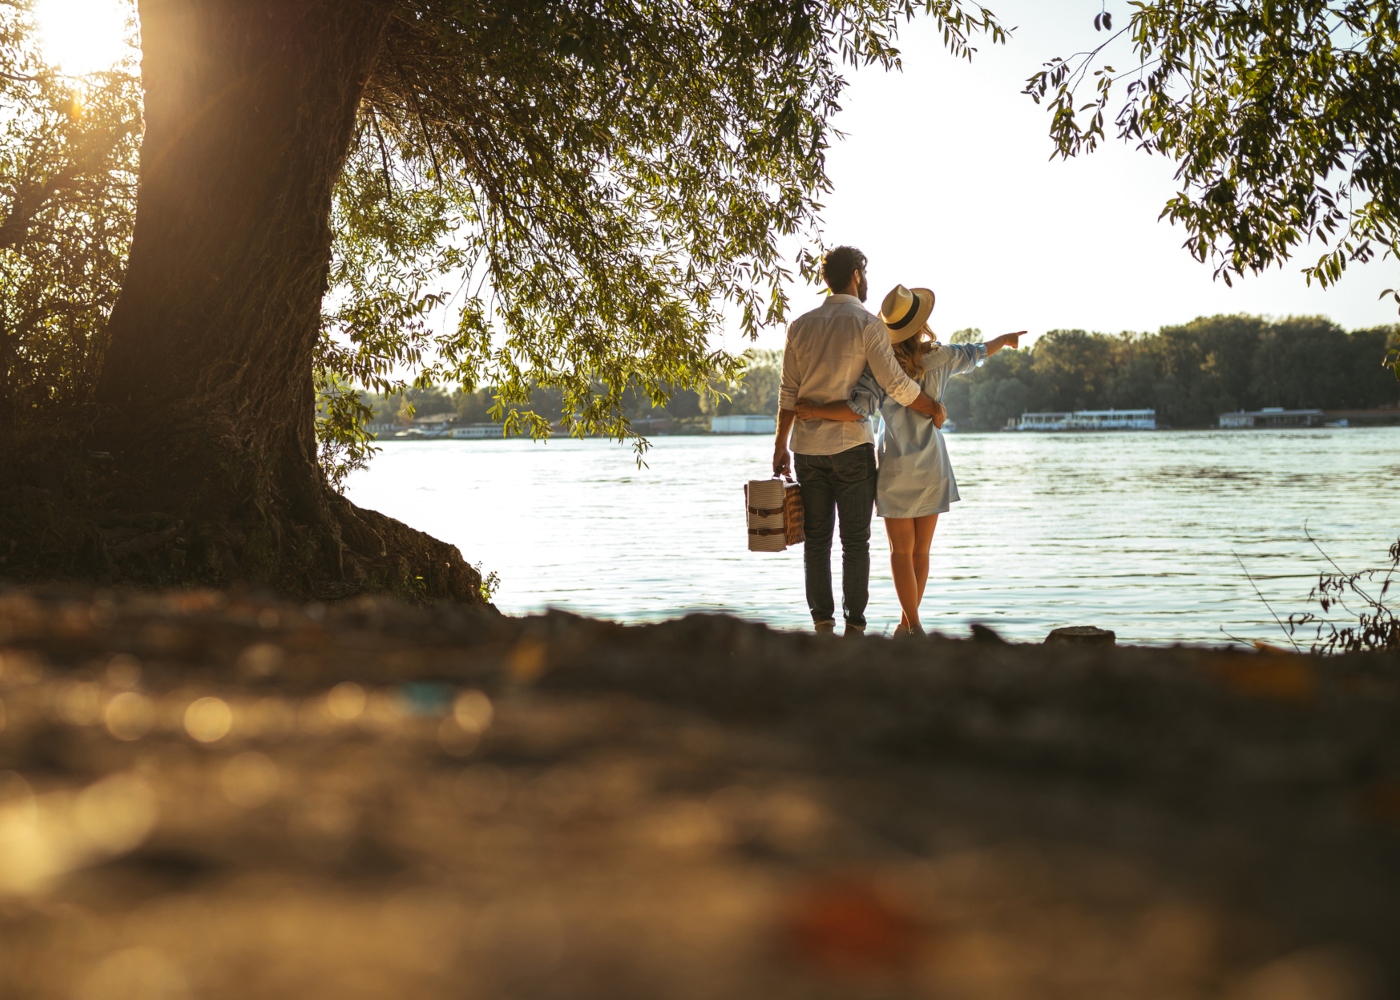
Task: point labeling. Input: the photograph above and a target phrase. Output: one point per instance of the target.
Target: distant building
(1040, 422)
(1114, 420)
(744, 423)
(434, 426)
(1272, 416)
(1087, 420)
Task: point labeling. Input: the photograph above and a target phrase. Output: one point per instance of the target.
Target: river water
(1136, 532)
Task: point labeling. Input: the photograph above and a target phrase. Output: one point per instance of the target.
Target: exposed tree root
(74, 519)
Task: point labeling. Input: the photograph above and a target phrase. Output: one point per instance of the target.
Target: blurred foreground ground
(212, 796)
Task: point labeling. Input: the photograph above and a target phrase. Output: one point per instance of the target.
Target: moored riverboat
(1086, 420)
(1272, 416)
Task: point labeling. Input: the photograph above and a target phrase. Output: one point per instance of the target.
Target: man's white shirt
(827, 350)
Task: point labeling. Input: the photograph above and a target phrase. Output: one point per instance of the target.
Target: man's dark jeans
(832, 485)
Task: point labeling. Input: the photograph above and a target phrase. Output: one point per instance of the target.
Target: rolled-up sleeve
(866, 397)
(880, 357)
(787, 389)
(969, 357)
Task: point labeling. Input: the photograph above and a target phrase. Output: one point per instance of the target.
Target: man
(827, 350)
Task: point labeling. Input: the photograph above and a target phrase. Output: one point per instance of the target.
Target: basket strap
(765, 511)
(767, 531)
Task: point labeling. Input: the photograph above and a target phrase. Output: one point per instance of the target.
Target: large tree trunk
(206, 399)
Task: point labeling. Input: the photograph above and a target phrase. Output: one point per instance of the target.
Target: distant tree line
(756, 392)
(1189, 374)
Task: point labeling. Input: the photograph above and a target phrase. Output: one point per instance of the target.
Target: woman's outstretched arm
(1011, 340)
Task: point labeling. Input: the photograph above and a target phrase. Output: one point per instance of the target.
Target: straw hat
(905, 311)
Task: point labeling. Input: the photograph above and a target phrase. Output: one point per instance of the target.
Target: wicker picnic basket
(774, 509)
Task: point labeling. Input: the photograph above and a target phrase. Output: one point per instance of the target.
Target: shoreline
(1078, 431)
(1131, 534)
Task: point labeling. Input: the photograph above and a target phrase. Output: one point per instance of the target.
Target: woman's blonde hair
(910, 353)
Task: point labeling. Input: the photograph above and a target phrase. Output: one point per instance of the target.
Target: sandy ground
(205, 795)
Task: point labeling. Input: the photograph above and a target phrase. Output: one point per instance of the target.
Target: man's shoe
(825, 628)
(853, 631)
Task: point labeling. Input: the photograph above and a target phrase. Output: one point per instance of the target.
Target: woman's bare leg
(924, 528)
(903, 542)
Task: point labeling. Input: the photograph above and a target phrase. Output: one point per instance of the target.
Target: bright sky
(82, 36)
(944, 181)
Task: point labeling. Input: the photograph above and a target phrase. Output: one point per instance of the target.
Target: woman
(916, 481)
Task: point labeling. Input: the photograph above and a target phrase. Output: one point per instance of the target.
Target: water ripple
(1133, 532)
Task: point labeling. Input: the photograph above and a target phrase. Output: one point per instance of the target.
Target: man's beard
(863, 289)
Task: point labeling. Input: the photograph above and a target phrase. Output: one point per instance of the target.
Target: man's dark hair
(840, 264)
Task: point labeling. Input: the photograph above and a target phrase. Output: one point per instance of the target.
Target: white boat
(1271, 416)
(476, 431)
(1088, 420)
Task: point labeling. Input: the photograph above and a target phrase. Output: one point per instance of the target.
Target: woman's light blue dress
(916, 477)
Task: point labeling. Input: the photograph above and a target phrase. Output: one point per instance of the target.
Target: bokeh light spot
(346, 701)
(526, 659)
(129, 716)
(473, 708)
(124, 671)
(262, 659)
(208, 720)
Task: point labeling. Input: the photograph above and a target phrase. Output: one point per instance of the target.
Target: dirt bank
(207, 795)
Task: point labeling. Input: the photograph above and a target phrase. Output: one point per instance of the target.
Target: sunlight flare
(82, 36)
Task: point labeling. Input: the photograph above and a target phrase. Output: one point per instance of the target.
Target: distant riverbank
(439, 426)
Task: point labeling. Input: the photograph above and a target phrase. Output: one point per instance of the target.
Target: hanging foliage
(1280, 115)
(68, 156)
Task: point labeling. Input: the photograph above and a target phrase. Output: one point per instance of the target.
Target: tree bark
(206, 395)
(7, 396)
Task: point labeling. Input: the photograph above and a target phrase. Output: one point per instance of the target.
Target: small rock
(984, 633)
(1083, 633)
